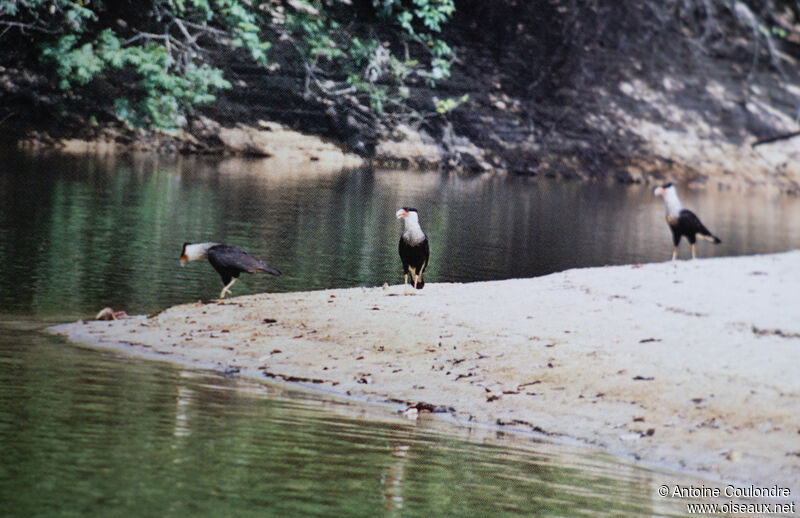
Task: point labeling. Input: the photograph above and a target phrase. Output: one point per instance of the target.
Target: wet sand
(690, 365)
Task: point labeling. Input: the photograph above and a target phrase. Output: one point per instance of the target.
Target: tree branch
(27, 26)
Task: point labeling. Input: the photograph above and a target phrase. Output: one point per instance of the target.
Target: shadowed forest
(552, 87)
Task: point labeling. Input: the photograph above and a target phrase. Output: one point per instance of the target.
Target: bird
(228, 260)
(414, 249)
(682, 222)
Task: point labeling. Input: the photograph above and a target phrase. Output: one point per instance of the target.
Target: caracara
(414, 250)
(228, 260)
(682, 222)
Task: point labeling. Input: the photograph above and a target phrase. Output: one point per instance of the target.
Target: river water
(92, 433)
(87, 433)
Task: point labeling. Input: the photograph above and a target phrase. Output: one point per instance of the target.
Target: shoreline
(690, 366)
(697, 164)
(286, 149)
(334, 160)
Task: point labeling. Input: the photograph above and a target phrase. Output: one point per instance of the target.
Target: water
(80, 234)
(88, 433)
(84, 433)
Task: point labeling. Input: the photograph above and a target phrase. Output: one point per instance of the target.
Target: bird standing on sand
(228, 260)
(413, 248)
(682, 222)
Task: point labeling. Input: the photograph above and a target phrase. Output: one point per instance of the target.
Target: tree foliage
(369, 72)
(160, 54)
(370, 59)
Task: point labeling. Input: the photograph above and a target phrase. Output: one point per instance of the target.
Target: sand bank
(692, 365)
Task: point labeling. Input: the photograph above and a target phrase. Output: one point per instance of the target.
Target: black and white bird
(413, 248)
(682, 222)
(228, 260)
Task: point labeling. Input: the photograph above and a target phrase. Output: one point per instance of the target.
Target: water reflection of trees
(111, 435)
(80, 233)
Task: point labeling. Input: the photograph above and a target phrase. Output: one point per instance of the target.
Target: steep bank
(686, 365)
(677, 89)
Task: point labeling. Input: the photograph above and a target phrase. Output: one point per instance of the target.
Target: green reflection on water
(81, 233)
(84, 433)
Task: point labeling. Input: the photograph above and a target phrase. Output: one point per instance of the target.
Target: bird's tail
(706, 234)
(269, 269)
(711, 237)
(420, 282)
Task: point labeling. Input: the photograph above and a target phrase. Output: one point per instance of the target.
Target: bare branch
(206, 28)
(145, 35)
(7, 117)
(27, 26)
(189, 38)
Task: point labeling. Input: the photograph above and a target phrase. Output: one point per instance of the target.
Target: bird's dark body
(414, 258)
(229, 261)
(689, 225)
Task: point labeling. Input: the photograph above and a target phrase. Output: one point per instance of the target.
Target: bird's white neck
(673, 203)
(197, 251)
(413, 232)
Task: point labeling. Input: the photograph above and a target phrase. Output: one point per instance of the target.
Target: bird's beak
(401, 213)
(184, 260)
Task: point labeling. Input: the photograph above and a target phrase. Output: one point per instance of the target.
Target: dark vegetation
(533, 85)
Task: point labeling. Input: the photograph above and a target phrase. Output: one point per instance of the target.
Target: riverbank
(688, 365)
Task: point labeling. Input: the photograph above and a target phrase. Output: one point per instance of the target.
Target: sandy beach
(691, 365)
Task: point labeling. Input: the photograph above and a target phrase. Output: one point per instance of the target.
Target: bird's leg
(693, 254)
(674, 253)
(227, 288)
(405, 284)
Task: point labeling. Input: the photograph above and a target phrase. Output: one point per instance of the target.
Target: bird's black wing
(414, 256)
(692, 224)
(425, 253)
(234, 259)
(404, 249)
